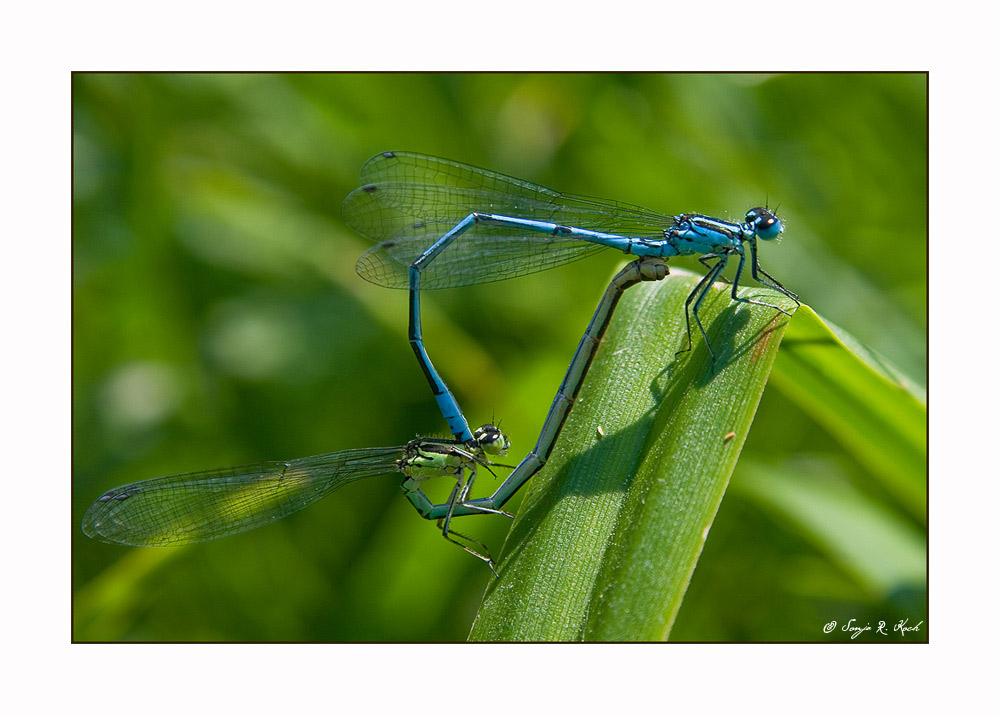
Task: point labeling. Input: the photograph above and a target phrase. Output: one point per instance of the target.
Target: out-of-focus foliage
(218, 320)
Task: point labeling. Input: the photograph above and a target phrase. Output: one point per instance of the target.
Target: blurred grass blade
(865, 402)
(108, 607)
(880, 548)
(610, 531)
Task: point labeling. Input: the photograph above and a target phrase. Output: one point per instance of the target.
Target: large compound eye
(491, 440)
(767, 225)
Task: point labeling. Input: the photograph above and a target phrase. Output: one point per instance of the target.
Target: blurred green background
(218, 321)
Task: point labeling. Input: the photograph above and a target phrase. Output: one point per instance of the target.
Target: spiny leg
(703, 260)
(448, 533)
(701, 290)
(756, 271)
(714, 274)
(736, 285)
(463, 499)
(444, 523)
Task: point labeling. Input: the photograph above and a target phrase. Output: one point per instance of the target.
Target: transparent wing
(408, 201)
(482, 255)
(201, 506)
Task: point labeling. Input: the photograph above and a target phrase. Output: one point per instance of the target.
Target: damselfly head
(491, 440)
(766, 224)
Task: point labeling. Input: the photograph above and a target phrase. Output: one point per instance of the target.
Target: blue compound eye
(767, 224)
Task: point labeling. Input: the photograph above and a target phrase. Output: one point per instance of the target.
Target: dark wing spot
(114, 495)
(369, 188)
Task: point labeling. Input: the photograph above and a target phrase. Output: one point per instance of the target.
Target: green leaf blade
(610, 531)
(865, 403)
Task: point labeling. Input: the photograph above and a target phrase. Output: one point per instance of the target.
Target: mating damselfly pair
(442, 224)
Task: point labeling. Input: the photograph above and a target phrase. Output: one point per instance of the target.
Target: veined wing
(481, 255)
(474, 185)
(408, 201)
(201, 506)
